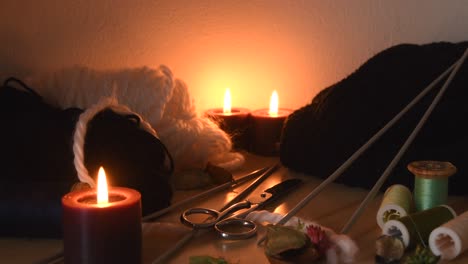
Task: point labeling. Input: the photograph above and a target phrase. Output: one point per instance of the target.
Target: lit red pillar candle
(267, 125)
(233, 120)
(103, 225)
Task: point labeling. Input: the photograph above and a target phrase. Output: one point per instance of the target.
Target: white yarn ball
(157, 97)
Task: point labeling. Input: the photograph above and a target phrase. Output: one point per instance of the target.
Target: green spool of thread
(416, 228)
(431, 182)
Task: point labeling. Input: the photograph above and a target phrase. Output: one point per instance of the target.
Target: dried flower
(318, 238)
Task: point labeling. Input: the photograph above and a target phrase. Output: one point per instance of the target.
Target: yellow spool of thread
(396, 203)
(431, 182)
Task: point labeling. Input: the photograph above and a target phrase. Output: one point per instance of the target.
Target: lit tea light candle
(102, 225)
(267, 125)
(233, 120)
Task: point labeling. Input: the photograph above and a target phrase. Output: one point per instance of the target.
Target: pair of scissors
(229, 222)
(228, 227)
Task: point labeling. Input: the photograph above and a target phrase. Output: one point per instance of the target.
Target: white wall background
(251, 46)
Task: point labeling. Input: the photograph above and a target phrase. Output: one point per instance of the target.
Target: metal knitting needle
(227, 185)
(373, 192)
(360, 151)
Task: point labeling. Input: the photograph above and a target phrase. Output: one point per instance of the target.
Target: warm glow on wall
(296, 47)
(250, 88)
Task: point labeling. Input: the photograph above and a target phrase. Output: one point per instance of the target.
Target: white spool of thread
(396, 201)
(451, 239)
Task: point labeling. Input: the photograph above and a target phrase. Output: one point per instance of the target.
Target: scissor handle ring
(202, 211)
(233, 222)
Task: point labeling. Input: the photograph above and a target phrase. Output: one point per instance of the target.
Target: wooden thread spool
(451, 239)
(431, 182)
(396, 203)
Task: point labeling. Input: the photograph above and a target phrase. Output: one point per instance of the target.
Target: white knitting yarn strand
(344, 251)
(451, 239)
(396, 202)
(81, 128)
(80, 135)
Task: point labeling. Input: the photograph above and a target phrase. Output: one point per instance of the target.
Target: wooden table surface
(331, 208)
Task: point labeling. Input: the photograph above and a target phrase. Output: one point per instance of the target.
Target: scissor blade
(271, 195)
(279, 191)
(250, 188)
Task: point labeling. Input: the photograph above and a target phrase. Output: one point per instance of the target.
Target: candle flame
(274, 102)
(227, 102)
(102, 192)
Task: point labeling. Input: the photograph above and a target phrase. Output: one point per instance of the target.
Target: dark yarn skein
(319, 137)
